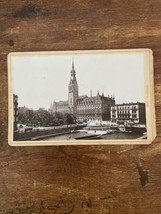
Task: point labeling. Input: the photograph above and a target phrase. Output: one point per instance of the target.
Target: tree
(29, 116)
(43, 118)
(58, 117)
(26, 117)
(69, 119)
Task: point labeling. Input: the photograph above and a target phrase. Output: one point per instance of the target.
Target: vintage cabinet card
(81, 97)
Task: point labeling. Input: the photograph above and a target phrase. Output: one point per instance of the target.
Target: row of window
(90, 114)
(89, 103)
(89, 107)
(124, 112)
(123, 107)
(90, 110)
(124, 116)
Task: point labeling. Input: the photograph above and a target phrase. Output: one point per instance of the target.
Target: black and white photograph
(78, 96)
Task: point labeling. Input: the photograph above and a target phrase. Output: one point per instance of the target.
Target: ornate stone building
(128, 112)
(84, 108)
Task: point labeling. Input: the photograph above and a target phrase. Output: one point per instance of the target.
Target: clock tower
(73, 91)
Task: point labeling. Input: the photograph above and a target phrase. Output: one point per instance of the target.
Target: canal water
(114, 136)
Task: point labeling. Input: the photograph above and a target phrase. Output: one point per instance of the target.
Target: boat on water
(124, 131)
(89, 137)
(97, 131)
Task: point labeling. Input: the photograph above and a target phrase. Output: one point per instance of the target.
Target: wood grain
(79, 179)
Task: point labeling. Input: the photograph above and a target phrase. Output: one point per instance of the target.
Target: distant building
(22, 110)
(61, 106)
(15, 111)
(128, 113)
(84, 108)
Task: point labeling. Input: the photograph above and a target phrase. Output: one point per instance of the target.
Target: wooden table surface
(79, 179)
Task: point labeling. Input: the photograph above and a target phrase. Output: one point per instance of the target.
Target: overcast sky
(40, 79)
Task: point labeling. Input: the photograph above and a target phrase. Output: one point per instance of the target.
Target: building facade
(15, 111)
(84, 108)
(22, 110)
(127, 113)
(94, 108)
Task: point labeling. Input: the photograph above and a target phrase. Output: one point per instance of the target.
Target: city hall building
(84, 108)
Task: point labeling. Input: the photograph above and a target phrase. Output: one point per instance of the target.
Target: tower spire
(72, 64)
(73, 90)
(73, 72)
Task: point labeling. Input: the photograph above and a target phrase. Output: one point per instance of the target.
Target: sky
(38, 80)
